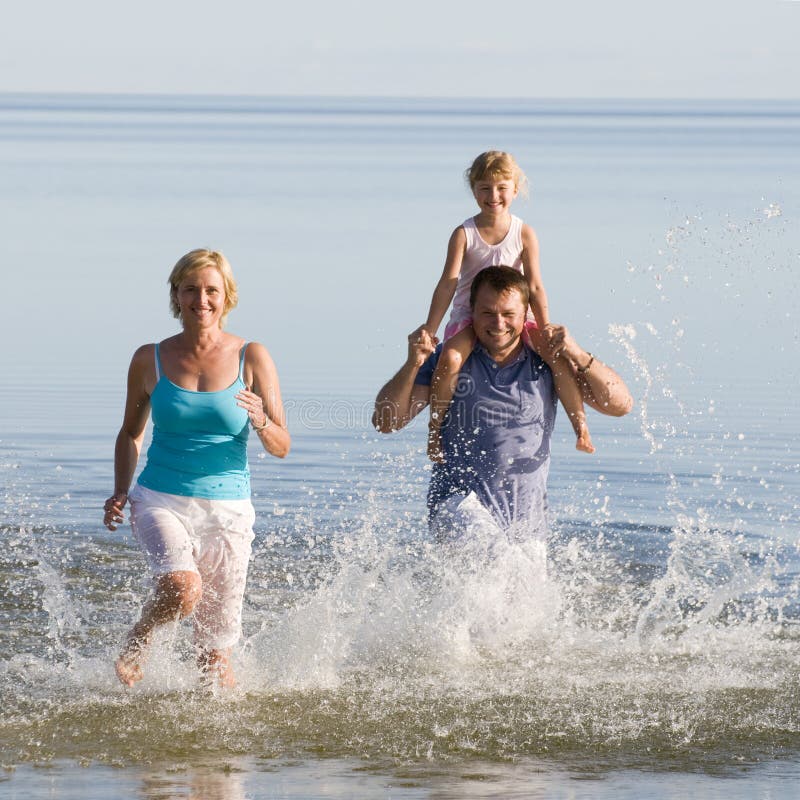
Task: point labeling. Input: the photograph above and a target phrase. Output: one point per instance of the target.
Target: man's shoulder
(425, 374)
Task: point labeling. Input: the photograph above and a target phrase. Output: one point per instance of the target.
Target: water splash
(649, 633)
(624, 335)
(390, 644)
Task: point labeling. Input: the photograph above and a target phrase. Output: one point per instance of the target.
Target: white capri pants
(211, 538)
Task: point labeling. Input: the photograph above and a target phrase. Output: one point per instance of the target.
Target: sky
(522, 48)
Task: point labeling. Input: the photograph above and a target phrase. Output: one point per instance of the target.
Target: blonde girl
(493, 237)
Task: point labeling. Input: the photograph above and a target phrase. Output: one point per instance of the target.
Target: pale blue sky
(571, 48)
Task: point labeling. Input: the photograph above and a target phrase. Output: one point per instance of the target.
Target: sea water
(653, 649)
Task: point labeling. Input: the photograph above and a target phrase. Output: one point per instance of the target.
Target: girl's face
(495, 195)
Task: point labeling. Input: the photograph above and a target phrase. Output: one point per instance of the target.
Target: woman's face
(201, 298)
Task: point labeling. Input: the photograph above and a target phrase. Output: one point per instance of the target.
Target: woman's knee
(180, 591)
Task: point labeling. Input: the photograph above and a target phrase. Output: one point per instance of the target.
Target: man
(496, 435)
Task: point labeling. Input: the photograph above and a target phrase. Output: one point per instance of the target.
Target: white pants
(211, 538)
(465, 523)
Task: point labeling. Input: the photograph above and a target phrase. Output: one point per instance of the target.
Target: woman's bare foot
(216, 669)
(130, 664)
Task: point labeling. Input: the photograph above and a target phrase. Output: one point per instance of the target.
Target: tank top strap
(471, 232)
(516, 231)
(241, 361)
(157, 360)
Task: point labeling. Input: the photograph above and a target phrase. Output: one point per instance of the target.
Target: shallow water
(636, 649)
(653, 650)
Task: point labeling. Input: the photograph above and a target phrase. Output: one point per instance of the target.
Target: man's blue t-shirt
(496, 437)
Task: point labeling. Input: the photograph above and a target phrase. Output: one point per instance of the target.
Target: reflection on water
(342, 779)
(226, 783)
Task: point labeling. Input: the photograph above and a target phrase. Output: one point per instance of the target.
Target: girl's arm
(446, 287)
(262, 399)
(129, 439)
(530, 266)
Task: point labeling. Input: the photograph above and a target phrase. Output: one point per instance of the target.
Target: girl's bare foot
(584, 442)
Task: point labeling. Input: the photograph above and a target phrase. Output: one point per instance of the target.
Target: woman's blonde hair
(197, 260)
(496, 164)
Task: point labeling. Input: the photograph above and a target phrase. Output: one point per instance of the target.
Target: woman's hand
(254, 406)
(264, 407)
(113, 516)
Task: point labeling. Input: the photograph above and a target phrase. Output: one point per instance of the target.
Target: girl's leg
(569, 393)
(174, 598)
(455, 352)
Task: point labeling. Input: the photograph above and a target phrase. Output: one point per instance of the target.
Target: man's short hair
(501, 279)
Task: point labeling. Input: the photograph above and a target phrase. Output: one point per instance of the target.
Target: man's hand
(431, 332)
(400, 400)
(562, 344)
(548, 331)
(557, 341)
(420, 345)
(602, 388)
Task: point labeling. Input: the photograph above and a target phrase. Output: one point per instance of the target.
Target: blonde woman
(190, 508)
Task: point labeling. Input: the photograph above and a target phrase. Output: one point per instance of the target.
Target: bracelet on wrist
(267, 423)
(586, 368)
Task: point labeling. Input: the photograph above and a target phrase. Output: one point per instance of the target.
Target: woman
(190, 508)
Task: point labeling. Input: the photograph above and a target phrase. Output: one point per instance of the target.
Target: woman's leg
(174, 598)
(160, 525)
(223, 561)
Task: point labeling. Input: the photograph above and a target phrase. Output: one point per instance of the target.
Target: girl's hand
(551, 333)
(420, 345)
(562, 344)
(254, 405)
(434, 339)
(112, 516)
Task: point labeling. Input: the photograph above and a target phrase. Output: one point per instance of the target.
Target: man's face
(498, 319)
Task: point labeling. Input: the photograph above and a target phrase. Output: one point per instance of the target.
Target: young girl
(493, 237)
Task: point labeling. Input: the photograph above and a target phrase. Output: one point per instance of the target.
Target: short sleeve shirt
(496, 437)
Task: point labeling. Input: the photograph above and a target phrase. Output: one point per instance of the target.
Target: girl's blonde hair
(200, 259)
(496, 164)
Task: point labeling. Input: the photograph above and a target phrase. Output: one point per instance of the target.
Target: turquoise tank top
(199, 446)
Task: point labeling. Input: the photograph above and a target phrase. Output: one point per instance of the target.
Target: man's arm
(400, 400)
(602, 389)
